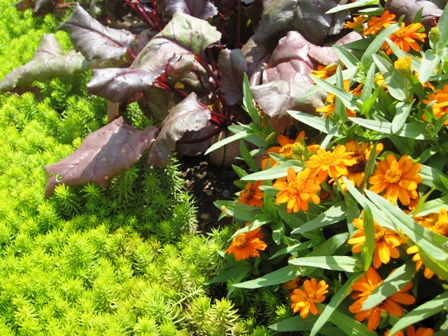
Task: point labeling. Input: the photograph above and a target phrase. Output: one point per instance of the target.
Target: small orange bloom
(247, 244)
(289, 148)
(324, 72)
(437, 223)
(292, 284)
(410, 331)
(357, 23)
(361, 153)
(440, 106)
(375, 24)
(386, 242)
(298, 190)
(330, 163)
(405, 38)
(303, 301)
(427, 272)
(392, 305)
(399, 179)
(252, 195)
(330, 101)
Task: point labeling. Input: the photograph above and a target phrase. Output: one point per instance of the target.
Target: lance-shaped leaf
(202, 9)
(305, 16)
(103, 154)
(94, 40)
(232, 65)
(182, 37)
(48, 62)
(276, 98)
(188, 115)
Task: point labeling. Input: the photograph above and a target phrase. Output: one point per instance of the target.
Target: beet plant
(183, 62)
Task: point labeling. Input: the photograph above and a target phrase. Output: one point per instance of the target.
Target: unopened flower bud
(404, 66)
(434, 35)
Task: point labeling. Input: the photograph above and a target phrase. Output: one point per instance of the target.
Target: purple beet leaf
(102, 155)
(294, 58)
(94, 40)
(156, 103)
(232, 65)
(183, 37)
(42, 7)
(201, 9)
(305, 16)
(256, 58)
(188, 115)
(275, 98)
(48, 62)
(120, 84)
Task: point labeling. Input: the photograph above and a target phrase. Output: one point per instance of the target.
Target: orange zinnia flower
(440, 107)
(375, 24)
(427, 272)
(292, 284)
(410, 331)
(330, 163)
(289, 148)
(399, 179)
(357, 23)
(252, 195)
(437, 223)
(386, 242)
(405, 38)
(360, 151)
(298, 190)
(328, 109)
(324, 72)
(392, 305)
(303, 301)
(247, 244)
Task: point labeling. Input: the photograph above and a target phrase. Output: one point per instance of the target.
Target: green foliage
(93, 261)
(369, 186)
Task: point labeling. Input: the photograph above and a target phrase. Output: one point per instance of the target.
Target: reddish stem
(207, 68)
(238, 27)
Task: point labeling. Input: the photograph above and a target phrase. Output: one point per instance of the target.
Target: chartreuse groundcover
(341, 223)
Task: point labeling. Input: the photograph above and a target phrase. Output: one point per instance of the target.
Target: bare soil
(208, 184)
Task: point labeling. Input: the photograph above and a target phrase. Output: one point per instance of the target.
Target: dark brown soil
(208, 184)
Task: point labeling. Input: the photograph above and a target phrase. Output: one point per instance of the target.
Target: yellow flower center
(240, 241)
(330, 71)
(401, 33)
(286, 150)
(440, 228)
(380, 233)
(295, 187)
(247, 194)
(326, 159)
(393, 175)
(373, 287)
(311, 296)
(360, 165)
